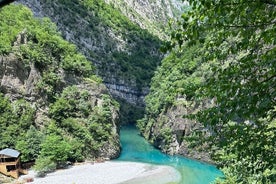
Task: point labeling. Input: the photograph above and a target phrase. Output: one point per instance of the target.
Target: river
(135, 148)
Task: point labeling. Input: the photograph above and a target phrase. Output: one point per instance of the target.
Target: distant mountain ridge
(152, 15)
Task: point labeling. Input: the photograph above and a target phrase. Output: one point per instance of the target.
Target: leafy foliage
(15, 119)
(248, 150)
(65, 135)
(36, 41)
(8, 29)
(243, 43)
(89, 126)
(122, 50)
(55, 148)
(44, 165)
(237, 41)
(180, 74)
(29, 144)
(72, 103)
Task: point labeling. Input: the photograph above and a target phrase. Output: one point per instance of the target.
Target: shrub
(44, 165)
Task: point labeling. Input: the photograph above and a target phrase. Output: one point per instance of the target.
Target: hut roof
(10, 152)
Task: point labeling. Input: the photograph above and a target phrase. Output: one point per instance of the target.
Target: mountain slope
(152, 15)
(169, 102)
(125, 55)
(52, 106)
(227, 85)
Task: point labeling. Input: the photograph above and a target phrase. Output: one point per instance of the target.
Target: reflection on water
(135, 148)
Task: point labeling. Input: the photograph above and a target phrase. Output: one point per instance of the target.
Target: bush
(29, 144)
(44, 165)
(56, 148)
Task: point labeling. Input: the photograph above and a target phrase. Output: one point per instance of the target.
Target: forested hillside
(215, 91)
(171, 99)
(124, 54)
(152, 15)
(121, 38)
(213, 98)
(53, 108)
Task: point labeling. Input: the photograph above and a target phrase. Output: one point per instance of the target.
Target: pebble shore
(111, 172)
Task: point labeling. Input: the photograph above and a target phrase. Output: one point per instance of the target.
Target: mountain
(125, 55)
(121, 38)
(57, 92)
(167, 124)
(152, 15)
(53, 107)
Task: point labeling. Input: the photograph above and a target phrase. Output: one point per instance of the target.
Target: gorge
(123, 40)
(73, 73)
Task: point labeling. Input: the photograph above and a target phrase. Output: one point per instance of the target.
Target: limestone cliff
(152, 15)
(168, 121)
(44, 83)
(171, 132)
(122, 38)
(125, 55)
(20, 81)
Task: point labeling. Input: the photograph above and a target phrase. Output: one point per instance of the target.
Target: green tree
(12, 24)
(56, 149)
(100, 121)
(29, 144)
(80, 138)
(77, 63)
(43, 165)
(73, 102)
(238, 38)
(15, 118)
(6, 117)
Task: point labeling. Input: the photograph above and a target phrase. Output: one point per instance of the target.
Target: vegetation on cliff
(173, 88)
(121, 51)
(152, 15)
(60, 112)
(236, 76)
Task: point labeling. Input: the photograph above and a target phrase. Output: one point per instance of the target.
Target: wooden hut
(10, 162)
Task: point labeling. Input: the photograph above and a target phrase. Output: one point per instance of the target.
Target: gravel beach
(111, 172)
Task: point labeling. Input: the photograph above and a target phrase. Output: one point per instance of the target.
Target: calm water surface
(136, 148)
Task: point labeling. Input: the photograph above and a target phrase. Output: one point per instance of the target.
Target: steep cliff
(124, 54)
(167, 124)
(152, 15)
(50, 94)
(173, 133)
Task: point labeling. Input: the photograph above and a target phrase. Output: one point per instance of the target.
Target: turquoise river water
(135, 148)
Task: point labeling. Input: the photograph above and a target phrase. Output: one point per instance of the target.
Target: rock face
(20, 79)
(125, 92)
(171, 130)
(125, 53)
(152, 15)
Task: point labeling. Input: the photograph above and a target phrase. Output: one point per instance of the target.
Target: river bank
(111, 172)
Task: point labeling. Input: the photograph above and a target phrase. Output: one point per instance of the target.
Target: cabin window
(10, 159)
(10, 167)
